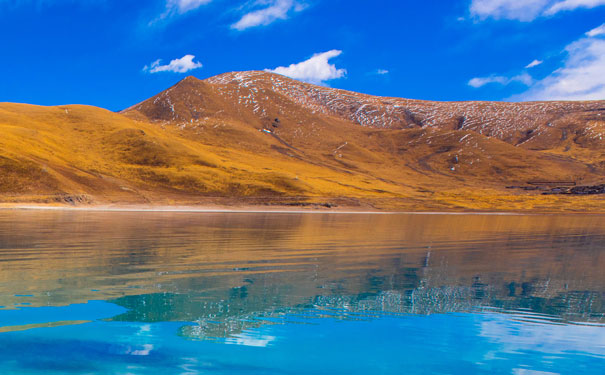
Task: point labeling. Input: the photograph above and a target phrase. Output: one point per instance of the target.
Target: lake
(275, 293)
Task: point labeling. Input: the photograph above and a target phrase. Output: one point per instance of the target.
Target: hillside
(257, 138)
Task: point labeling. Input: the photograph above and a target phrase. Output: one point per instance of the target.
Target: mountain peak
(190, 79)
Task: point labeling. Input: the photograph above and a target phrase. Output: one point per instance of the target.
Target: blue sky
(115, 53)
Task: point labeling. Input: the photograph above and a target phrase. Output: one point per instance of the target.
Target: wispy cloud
(177, 7)
(534, 64)
(560, 6)
(596, 31)
(523, 78)
(315, 70)
(582, 76)
(270, 11)
(508, 9)
(526, 10)
(182, 65)
(183, 6)
(382, 72)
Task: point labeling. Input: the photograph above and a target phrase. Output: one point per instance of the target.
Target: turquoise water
(176, 293)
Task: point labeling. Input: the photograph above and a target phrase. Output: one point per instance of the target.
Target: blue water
(309, 342)
(232, 294)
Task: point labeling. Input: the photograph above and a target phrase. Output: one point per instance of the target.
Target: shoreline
(263, 210)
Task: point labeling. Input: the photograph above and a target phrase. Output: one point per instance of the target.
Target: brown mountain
(261, 138)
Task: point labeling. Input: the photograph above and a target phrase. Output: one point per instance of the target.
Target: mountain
(260, 138)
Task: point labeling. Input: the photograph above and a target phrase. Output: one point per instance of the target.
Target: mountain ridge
(499, 119)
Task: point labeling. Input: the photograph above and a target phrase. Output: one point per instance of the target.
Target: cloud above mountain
(582, 76)
(523, 78)
(316, 70)
(182, 65)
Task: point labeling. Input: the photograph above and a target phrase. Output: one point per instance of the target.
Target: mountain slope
(261, 138)
(417, 143)
(86, 154)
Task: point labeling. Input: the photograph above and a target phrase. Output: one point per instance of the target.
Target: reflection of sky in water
(309, 341)
(250, 339)
(515, 336)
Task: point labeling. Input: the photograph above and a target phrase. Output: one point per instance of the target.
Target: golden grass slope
(90, 154)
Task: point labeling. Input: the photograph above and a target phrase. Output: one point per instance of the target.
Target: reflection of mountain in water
(231, 272)
(237, 314)
(443, 279)
(228, 317)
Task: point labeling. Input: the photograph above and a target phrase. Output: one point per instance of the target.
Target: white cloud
(182, 65)
(184, 6)
(533, 64)
(274, 10)
(524, 78)
(582, 76)
(177, 7)
(560, 6)
(596, 31)
(315, 70)
(382, 72)
(526, 10)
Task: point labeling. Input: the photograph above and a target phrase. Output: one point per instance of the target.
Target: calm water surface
(183, 293)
